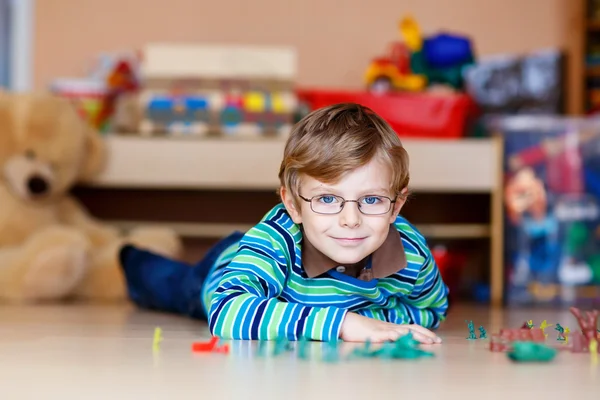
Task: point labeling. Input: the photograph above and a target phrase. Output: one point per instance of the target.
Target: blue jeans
(158, 283)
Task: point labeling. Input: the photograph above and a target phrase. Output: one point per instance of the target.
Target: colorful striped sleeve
(245, 305)
(426, 305)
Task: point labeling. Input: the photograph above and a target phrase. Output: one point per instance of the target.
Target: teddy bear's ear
(95, 154)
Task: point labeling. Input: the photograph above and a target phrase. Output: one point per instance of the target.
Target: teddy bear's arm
(73, 214)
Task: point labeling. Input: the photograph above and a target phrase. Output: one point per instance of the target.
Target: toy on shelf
(418, 62)
(96, 96)
(552, 209)
(421, 115)
(517, 84)
(199, 90)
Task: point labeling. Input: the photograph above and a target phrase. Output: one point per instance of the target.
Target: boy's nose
(350, 215)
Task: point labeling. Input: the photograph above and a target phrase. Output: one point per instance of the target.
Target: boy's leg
(162, 284)
(159, 283)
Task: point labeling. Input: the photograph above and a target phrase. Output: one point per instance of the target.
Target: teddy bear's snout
(37, 185)
(28, 179)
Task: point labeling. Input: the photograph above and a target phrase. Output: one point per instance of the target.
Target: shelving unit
(206, 164)
(583, 81)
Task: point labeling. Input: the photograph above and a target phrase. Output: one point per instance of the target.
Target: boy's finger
(423, 331)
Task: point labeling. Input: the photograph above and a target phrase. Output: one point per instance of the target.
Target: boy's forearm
(244, 316)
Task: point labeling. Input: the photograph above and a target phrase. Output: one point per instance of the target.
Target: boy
(333, 260)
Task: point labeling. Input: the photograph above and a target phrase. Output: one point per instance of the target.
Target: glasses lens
(372, 205)
(327, 204)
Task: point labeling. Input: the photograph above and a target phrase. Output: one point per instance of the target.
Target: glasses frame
(344, 201)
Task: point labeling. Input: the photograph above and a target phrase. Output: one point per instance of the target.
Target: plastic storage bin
(423, 115)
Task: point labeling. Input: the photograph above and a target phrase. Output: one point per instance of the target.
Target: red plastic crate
(423, 115)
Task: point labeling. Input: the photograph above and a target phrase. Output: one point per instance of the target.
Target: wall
(335, 38)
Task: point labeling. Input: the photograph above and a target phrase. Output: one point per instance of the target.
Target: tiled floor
(86, 352)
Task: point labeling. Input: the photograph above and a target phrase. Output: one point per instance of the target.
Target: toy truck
(415, 63)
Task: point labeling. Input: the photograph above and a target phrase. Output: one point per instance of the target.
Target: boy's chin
(348, 259)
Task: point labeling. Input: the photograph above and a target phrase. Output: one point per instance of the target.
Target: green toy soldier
(482, 333)
(471, 330)
(561, 332)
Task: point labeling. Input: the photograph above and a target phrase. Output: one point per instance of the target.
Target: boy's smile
(348, 236)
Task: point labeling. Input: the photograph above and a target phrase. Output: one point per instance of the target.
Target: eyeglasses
(331, 204)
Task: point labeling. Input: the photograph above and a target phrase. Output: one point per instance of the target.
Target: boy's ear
(290, 205)
(400, 200)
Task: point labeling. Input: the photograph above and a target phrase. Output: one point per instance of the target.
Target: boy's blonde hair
(332, 141)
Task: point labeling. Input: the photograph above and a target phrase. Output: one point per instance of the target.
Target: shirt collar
(387, 260)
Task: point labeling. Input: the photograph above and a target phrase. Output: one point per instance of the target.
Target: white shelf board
(466, 165)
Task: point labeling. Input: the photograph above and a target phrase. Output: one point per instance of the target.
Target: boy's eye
(327, 199)
(370, 200)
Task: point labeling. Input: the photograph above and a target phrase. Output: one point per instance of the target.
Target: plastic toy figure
(566, 335)
(471, 330)
(482, 333)
(588, 322)
(543, 326)
(282, 345)
(303, 348)
(406, 347)
(531, 352)
(529, 324)
(157, 339)
(331, 352)
(561, 332)
(594, 352)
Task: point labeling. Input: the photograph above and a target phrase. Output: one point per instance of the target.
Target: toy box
(422, 115)
(518, 84)
(192, 89)
(552, 210)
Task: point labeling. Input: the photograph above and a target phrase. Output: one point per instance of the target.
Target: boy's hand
(357, 328)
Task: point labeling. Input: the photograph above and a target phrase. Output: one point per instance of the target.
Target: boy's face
(349, 236)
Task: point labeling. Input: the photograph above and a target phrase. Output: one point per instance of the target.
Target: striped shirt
(257, 289)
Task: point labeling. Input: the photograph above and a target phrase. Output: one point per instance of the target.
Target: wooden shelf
(465, 165)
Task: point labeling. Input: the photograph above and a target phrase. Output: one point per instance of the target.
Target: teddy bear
(51, 248)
